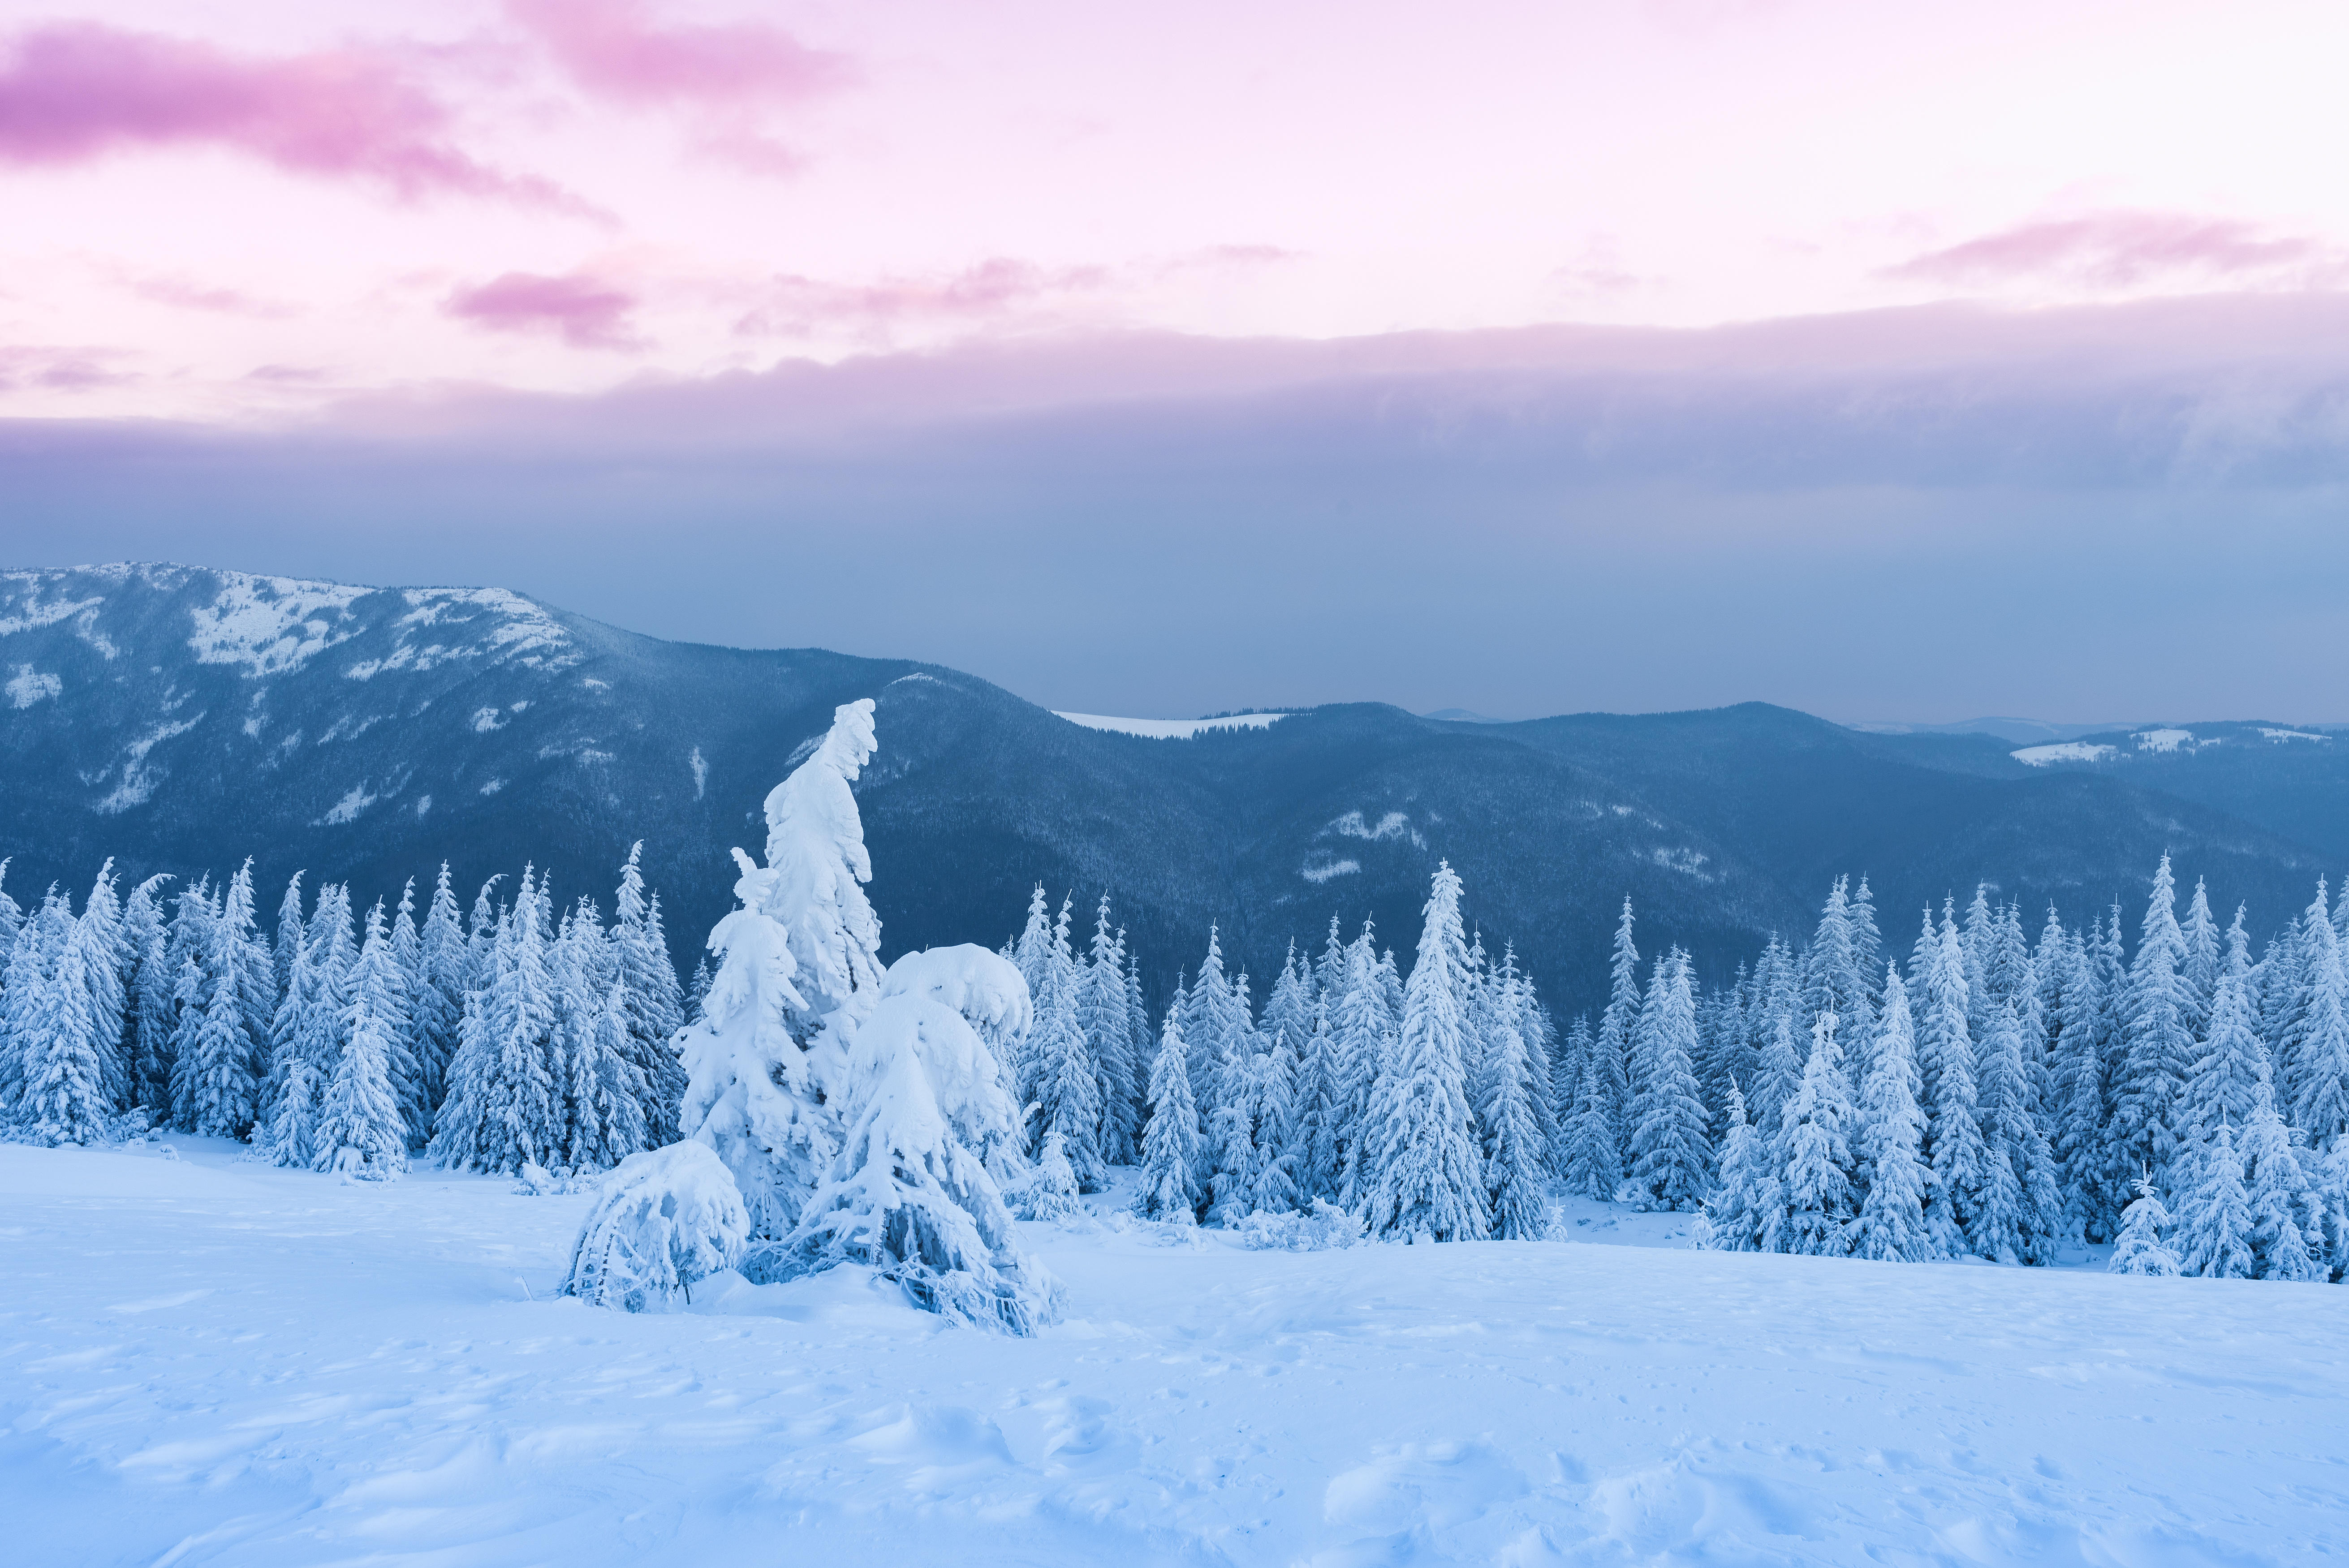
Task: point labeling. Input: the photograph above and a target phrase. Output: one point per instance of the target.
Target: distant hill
(181, 718)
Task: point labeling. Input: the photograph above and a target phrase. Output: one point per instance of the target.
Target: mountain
(181, 718)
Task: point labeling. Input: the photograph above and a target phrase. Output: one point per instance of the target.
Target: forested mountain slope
(181, 718)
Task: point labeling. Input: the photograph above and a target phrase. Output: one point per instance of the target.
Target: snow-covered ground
(1171, 728)
(211, 1362)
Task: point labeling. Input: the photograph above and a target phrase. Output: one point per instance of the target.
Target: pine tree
(214, 1092)
(1365, 1040)
(2230, 1070)
(1945, 1055)
(1778, 1075)
(2214, 1232)
(502, 1110)
(291, 934)
(150, 1012)
(1216, 1025)
(1818, 1152)
(1108, 1036)
(1747, 1204)
(1067, 1093)
(2285, 1223)
(1891, 1227)
(1616, 1027)
(1169, 1188)
(1670, 1162)
(2020, 1215)
(2141, 1249)
(1517, 1161)
(801, 960)
(437, 1003)
(361, 1129)
(1427, 1181)
(2200, 961)
(2159, 1044)
(652, 1008)
(2318, 1079)
(408, 969)
(63, 1050)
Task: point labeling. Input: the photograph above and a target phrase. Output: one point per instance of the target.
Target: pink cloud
(586, 312)
(185, 294)
(611, 49)
(76, 91)
(996, 287)
(2120, 249)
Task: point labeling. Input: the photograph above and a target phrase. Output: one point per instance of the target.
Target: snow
(212, 1362)
(29, 685)
(2166, 740)
(2282, 736)
(139, 780)
(272, 626)
(2066, 751)
(349, 808)
(1688, 862)
(31, 615)
(1171, 728)
(700, 773)
(1318, 875)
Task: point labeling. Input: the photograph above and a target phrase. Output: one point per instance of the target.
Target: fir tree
(2140, 1249)
(1169, 1188)
(1891, 1226)
(503, 1110)
(1670, 1162)
(63, 1044)
(1945, 1055)
(652, 1008)
(214, 1092)
(1617, 1024)
(2019, 1217)
(1364, 1043)
(1744, 1213)
(2159, 1044)
(1067, 1092)
(437, 1002)
(361, 1129)
(2318, 1077)
(1516, 1162)
(2214, 1232)
(2285, 1221)
(1108, 1036)
(151, 1010)
(1426, 1180)
(1818, 1152)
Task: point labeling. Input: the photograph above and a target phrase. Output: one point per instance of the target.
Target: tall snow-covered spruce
(863, 1115)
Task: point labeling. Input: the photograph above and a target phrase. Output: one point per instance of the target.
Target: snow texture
(1170, 728)
(664, 1220)
(2068, 751)
(215, 1363)
(2168, 741)
(29, 685)
(2282, 736)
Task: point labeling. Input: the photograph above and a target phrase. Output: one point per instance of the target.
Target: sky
(1887, 362)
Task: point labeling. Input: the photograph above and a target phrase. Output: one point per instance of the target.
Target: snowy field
(209, 1361)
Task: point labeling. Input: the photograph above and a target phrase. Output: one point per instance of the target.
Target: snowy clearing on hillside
(2066, 751)
(2282, 736)
(2168, 741)
(217, 1361)
(1170, 728)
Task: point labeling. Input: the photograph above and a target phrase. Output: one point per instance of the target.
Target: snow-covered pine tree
(2199, 959)
(653, 1008)
(2230, 1070)
(503, 1108)
(2286, 1223)
(1833, 982)
(1031, 950)
(1891, 1226)
(1426, 1180)
(1945, 1056)
(1320, 1169)
(2020, 1212)
(2141, 1249)
(1777, 1077)
(1169, 1187)
(362, 1130)
(291, 932)
(1617, 1025)
(1867, 945)
(2318, 1080)
(909, 1193)
(1066, 1095)
(2214, 1224)
(602, 1088)
(1142, 1038)
(2159, 1049)
(1365, 1041)
(150, 1011)
(1592, 1165)
(1670, 1160)
(408, 966)
(1108, 1036)
(107, 974)
(62, 1048)
(1517, 1160)
(437, 1002)
(1729, 1054)
(1540, 1035)
(32, 970)
(1747, 1202)
(800, 953)
(1815, 1152)
(1052, 1194)
(215, 1090)
(1215, 1026)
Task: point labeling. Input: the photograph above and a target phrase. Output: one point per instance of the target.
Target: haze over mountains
(180, 719)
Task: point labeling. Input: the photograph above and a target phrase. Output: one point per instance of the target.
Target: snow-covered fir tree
(361, 1131)
(1891, 1225)
(1425, 1179)
(1671, 1159)
(2214, 1222)
(1747, 1204)
(1816, 1144)
(2142, 1248)
(1169, 1187)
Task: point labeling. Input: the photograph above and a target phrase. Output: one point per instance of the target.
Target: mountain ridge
(179, 716)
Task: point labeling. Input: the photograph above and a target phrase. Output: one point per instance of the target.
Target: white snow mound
(2066, 751)
(1170, 728)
